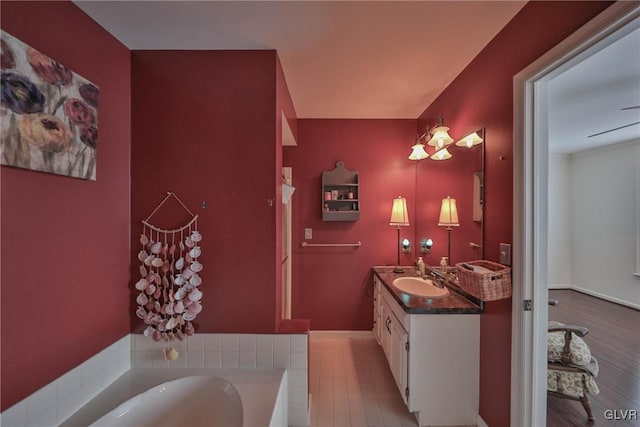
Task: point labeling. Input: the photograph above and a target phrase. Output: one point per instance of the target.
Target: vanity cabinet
(434, 359)
(340, 194)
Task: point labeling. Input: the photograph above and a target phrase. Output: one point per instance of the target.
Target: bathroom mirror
(460, 177)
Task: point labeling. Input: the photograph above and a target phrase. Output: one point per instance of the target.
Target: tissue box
(488, 286)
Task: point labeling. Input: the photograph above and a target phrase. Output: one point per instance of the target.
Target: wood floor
(614, 339)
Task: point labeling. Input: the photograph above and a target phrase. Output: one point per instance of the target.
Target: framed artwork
(48, 114)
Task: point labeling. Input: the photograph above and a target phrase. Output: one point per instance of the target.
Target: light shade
(442, 154)
(399, 213)
(418, 152)
(470, 140)
(440, 137)
(287, 192)
(448, 213)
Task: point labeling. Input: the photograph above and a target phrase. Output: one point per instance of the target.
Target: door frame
(530, 204)
(287, 256)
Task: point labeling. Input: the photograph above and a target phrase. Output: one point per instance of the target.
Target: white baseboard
(561, 286)
(341, 334)
(597, 295)
(480, 422)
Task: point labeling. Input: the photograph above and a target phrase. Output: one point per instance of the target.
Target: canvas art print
(48, 114)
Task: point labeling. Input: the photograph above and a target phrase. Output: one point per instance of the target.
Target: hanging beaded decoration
(169, 298)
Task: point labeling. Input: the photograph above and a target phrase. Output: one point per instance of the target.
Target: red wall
(331, 286)
(378, 150)
(482, 95)
(204, 128)
(65, 241)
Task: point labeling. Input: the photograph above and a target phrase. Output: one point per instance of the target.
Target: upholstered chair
(571, 368)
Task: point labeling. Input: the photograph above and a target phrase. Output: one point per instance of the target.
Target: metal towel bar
(355, 245)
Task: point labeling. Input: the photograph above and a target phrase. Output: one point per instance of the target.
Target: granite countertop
(457, 302)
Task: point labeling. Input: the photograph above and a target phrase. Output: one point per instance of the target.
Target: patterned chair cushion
(580, 353)
(575, 384)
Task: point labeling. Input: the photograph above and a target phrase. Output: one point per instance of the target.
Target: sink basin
(420, 287)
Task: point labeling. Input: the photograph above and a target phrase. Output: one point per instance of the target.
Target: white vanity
(432, 346)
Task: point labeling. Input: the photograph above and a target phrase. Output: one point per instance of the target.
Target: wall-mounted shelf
(340, 194)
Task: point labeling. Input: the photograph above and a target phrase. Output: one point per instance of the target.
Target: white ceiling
(383, 59)
(357, 59)
(588, 98)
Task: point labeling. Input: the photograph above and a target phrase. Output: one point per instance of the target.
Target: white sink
(420, 287)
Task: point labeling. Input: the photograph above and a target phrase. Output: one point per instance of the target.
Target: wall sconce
(448, 219)
(399, 218)
(406, 246)
(287, 192)
(425, 246)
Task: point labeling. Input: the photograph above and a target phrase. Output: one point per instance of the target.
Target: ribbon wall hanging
(169, 285)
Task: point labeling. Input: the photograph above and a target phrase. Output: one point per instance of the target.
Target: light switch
(308, 233)
(505, 253)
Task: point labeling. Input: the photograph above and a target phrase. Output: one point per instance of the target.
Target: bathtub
(189, 397)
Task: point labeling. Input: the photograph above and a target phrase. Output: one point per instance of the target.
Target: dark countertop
(457, 302)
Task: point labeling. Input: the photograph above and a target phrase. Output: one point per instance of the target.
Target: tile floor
(351, 384)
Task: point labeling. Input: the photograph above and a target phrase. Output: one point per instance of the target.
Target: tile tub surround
(61, 398)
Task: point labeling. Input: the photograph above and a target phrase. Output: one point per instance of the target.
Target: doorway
(529, 326)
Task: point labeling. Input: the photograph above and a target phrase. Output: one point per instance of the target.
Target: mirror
(462, 178)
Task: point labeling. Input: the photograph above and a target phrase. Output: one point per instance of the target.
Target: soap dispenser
(420, 265)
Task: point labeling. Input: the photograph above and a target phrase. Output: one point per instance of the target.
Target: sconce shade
(287, 192)
(440, 137)
(470, 140)
(442, 154)
(399, 213)
(448, 213)
(418, 152)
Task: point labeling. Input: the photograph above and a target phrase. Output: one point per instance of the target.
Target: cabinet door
(398, 355)
(385, 328)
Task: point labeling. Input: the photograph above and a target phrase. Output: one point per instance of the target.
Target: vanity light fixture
(399, 218)
(436, 136)
(448, 219)
(406, 246)
(425, 246)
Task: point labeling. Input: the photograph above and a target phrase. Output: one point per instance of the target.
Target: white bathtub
(188, 401)
(189, 397)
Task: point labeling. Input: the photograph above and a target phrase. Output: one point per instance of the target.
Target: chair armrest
(568, 330)
(578, 330)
